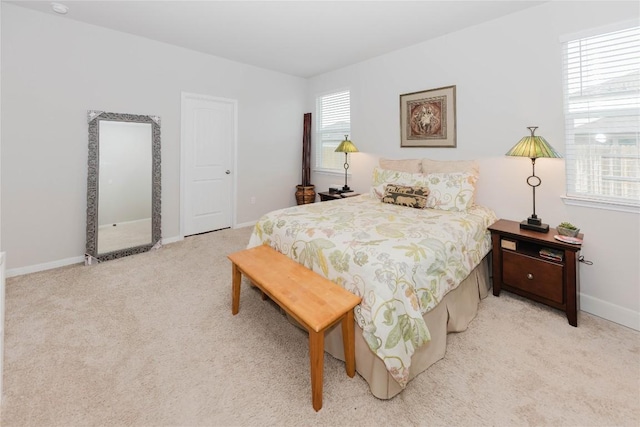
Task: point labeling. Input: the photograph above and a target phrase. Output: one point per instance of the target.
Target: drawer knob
(530, 276)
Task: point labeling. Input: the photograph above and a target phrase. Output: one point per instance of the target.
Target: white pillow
(451, 191)
(451, 166)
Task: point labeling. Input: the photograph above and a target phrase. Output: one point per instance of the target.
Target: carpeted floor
(149, 340)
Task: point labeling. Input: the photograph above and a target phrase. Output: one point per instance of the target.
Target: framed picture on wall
(428, 118)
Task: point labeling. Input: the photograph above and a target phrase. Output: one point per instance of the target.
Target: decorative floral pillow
(413, 197)
(451, 191)
(382, 177)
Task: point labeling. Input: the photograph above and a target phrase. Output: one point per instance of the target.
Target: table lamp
(534, 147)
(346, 147)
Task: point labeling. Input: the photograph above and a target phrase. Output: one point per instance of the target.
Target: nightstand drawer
(536, 276)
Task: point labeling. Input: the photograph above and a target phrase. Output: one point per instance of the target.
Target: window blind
(333, 123)
(602, 116)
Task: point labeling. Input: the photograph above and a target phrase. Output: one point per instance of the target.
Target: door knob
(228, 172)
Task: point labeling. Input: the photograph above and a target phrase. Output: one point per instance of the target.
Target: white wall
(508, 74)
(55, 69)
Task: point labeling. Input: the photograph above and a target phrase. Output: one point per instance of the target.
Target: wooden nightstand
(519, 268)
(324, 196)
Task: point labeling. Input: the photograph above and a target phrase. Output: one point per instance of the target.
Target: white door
(208, 146)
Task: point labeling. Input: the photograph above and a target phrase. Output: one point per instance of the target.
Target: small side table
(326, 195)
(519, 268)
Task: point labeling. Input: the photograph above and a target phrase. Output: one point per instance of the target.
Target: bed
(420, 270)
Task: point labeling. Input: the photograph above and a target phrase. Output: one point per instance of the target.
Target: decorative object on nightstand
(346, 147)
(306, 192)
(536, 266)
(335, 188)
(567, 229)
(534, 147)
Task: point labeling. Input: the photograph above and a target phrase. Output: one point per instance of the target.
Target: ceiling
(300, 38)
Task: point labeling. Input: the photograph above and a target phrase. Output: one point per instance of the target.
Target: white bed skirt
(452, 314)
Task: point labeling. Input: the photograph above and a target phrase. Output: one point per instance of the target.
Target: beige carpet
(112, 237)
(149, 340)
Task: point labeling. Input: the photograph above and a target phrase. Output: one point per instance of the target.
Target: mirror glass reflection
(124, 209)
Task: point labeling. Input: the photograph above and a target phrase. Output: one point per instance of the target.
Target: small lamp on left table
(346, 147)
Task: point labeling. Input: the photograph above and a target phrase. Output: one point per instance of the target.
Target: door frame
(183, 158)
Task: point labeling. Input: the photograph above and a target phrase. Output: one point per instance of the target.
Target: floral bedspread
(401, 261)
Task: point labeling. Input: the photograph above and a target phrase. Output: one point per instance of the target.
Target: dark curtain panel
(306, 151)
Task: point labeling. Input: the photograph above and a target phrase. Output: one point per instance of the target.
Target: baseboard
(64, 262)
(609, 311)
(46, 266)
(167, 240)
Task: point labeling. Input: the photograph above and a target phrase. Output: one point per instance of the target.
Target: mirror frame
(94, 118)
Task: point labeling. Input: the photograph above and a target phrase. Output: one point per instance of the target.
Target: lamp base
(527, 224)
(346, 189)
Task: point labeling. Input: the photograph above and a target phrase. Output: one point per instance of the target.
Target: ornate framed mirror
(123, 185)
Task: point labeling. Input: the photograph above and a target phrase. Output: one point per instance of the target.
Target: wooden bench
(315, 302)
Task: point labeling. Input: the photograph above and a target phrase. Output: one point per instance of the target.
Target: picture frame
(428, 118)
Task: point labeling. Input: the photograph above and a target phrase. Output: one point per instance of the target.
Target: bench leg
(316, 354)
(235, 289)
(348, 342)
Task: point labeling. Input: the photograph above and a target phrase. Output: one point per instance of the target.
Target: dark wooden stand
(519, 268)
(326, 195)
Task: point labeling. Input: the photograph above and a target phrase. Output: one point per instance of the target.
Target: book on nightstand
(552, 254)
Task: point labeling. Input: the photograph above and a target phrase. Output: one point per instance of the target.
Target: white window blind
(333, 123)
(602, 117)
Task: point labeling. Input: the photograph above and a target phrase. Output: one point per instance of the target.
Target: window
(602, 117)
(333, 123)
